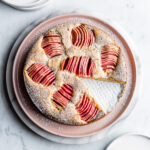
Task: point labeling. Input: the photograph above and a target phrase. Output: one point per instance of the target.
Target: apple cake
(59, 61)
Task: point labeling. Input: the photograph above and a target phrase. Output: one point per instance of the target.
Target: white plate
(32, 5)
(130, 142)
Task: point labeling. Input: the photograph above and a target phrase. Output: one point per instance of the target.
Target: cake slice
(76, 94)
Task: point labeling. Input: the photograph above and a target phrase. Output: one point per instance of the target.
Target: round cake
(63, 62)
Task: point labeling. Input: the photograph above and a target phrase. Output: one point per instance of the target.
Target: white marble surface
(133, 16)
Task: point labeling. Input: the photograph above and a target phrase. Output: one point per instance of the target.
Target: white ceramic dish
(27, 6)
(130, 141)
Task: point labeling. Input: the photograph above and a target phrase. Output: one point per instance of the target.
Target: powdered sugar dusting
(107, 94)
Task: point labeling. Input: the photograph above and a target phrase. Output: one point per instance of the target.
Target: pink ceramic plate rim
(55, 127)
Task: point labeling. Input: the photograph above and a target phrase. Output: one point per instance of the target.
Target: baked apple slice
(109, 57)
(41, 74)
(82, 36)
(52, 44)
(87, 109)
(63, 96)
(82, 66)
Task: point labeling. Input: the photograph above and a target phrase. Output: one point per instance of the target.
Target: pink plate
(34, 114)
